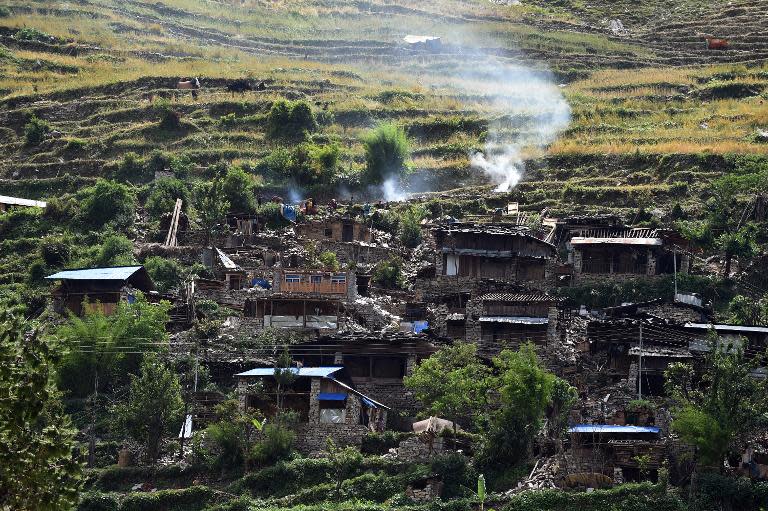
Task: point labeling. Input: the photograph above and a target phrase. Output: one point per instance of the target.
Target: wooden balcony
(318, 288)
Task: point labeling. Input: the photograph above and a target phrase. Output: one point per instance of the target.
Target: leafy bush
(163, 196)
(187, 499)
(410, 226)
(456, 472)
(132, 169)
(275, 445)
(381, 443)
(170, 119)
(306, 164)
(386, 151)
(55, 251)
(628, 497)
(388, 274)
(239, 189)
(115, 250)
(107, 202)
(329, 260)
(35, 131)
(98, 502)
(290, 120)
(166, 273)
(31, 34)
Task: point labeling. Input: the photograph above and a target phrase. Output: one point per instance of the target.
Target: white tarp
(186, 428)
(332, 415)
(433, 425)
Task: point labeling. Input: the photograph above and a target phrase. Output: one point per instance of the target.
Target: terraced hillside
(101, 75)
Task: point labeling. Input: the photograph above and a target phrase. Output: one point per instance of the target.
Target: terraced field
(96, 70)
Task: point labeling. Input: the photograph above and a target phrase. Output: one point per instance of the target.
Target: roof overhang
(518, 320)
(654, 242)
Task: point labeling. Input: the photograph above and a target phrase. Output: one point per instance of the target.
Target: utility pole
(640, 367)
(674, 266)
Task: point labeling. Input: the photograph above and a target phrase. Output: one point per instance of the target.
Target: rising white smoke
(530, 113)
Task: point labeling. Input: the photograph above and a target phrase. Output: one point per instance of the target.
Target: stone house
(226, 271)
(342, 229)
(609, 254)
(613, 450)
(376, 363)
(103, 287)
(499, 320)
(471, 252)
(324, 399)
(303, 299)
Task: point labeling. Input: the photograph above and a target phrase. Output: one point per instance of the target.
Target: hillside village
(242, 269)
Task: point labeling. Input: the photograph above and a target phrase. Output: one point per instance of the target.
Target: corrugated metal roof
(308, 372)
(612, 428)
(617, 241)
(728, 328)
(115, 273)
(414, 39)
(519, 298)
(16, 201)
(519, 320)
(226, 261)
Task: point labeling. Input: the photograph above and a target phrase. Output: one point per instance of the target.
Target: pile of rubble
(543, 476)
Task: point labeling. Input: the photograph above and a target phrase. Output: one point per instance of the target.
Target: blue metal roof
(117, 273)
(612, 428)
(331, 396)
(308, 372)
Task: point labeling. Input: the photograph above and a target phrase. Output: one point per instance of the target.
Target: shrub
(290, 120)
(132, 169)
(35, 131)
(329, 261)
(386, 151)
(388, 274)
(166, 273)
(55, 251)
(239, 188)
(410, 226)
(188, 499)
(107, 202)
(115, 250)
(98, 502)
(170, 119)
(31, 34)
(457, 474)
(381, 443)
(163, 196)
(275, 445)
(4, 11)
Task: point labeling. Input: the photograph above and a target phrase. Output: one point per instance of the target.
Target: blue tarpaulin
(612, 428)
(420, 326)
(261, 283)
(288, 212)
(331, 396)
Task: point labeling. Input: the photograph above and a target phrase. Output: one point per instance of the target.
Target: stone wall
(351, 252)
(312, 438)
(414, 449)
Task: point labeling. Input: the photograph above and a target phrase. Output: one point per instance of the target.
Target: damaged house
(493, 251)
(616, 253)
(501, 320)
(614, 450)
(103, 288)
(376, 363)
(324, 398)
(350, 239)
(304, 299)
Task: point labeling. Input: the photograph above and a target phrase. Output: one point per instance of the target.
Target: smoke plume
(530, 112)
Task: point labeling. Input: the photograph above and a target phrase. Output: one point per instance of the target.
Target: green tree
(38, 467)
(329, 260)
(162, 198)
(524, 389)
(386, 151)
(748, 311)
(35, 131)
(108, 346)
(410, 225)
(344, 463)
(452, 383)
(285, 375)
(718, 404)
(154, 407)
(167, 274)
(388, 274)
(212, 205)
(290, 120)
(239, 189)
(107, 202)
